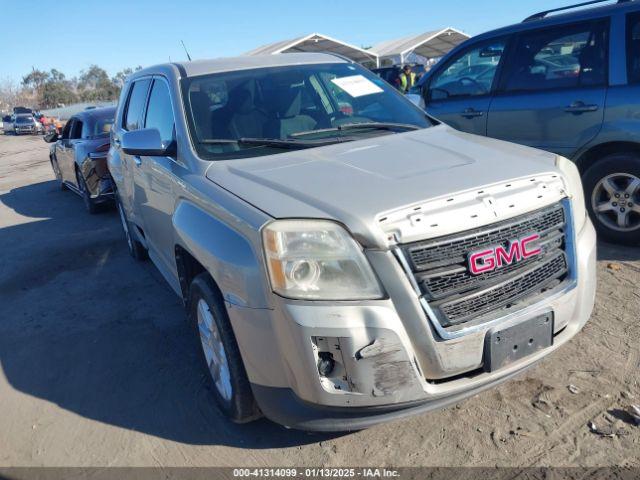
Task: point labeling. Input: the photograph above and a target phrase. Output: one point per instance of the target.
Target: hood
(377, 186)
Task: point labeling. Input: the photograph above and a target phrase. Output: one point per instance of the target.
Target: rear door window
(561, 57)
(633, 48)
(135, 104)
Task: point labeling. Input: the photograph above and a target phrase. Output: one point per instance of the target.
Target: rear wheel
(136, 249)
(220, 355)
(612, 193)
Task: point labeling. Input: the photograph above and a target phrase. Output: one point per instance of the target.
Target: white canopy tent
(317, 42)
(426, 45)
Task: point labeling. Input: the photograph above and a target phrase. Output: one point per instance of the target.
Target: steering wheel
(468, 81)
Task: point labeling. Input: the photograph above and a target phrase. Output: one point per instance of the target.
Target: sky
(70, 35)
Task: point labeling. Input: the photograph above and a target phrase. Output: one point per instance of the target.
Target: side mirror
(146, 142)
(51, 137)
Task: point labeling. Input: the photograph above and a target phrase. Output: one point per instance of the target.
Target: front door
(133, 195)
(553, 88)
(459, 93)
(75, 140)
(159, 175)
(63, 151)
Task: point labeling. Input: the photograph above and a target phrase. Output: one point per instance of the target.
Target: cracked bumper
(389, 362)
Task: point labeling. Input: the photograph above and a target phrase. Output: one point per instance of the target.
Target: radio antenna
(185, 50)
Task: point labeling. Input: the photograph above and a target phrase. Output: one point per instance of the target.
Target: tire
(89, 203)
(612, 194)
(224, 370)
(136, 249)
(58, 174)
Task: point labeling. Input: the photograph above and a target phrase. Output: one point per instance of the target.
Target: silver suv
(344, 259)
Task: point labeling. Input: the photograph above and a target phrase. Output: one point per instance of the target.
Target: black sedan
(79, 156)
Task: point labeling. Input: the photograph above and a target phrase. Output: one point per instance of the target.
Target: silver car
(344, 259)
(25, 123)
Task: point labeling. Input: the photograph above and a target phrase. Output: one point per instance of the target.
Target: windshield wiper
(269, 142)
(358, 125)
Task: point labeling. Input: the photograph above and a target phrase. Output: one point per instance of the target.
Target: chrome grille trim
(447, 333)
(535, 278)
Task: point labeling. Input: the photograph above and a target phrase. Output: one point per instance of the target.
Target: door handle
(471, 113)
(137, 160)
(580, 107)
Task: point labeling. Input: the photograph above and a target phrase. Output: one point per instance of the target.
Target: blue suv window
(469, 74)
(633, 48)
(563, 57)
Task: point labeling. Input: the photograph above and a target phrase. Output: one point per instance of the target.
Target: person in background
(45, 123)
(58, 126)
(407, 79)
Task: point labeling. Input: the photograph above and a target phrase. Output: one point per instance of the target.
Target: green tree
(94, 84)
(56, 76)
(35, 79)
(56, 93)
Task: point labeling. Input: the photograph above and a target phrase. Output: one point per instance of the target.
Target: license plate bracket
(507, 345)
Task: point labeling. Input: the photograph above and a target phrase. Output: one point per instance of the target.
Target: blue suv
(567, 82)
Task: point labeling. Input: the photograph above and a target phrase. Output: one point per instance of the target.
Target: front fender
(96, 176)
(230, 257)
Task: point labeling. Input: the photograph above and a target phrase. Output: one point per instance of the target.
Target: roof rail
(539, 15)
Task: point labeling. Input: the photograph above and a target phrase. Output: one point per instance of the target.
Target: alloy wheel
(616, 201)
(214, 351)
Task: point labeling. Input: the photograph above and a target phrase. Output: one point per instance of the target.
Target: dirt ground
(98, 366)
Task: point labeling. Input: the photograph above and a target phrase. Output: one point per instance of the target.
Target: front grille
(465, 309)
(456, 296)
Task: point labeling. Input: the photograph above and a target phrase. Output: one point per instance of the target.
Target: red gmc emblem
(496, 257)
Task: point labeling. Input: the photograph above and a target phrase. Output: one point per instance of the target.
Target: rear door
(459, 93)
(553, 88)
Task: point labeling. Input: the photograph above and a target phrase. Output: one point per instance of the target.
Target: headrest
(291, 102)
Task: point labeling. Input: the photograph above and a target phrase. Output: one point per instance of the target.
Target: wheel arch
(597, 152)
(204, 243)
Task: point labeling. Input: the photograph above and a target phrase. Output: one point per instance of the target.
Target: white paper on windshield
(357, 85)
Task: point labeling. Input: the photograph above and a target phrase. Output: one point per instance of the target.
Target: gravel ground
(98, 367)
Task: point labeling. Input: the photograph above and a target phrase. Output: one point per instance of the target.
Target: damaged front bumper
(97, 178)
(389, 361)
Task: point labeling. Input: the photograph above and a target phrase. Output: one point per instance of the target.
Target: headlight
(573, 184)
(317, 259)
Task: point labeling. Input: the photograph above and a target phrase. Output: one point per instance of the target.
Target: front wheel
(89, 203)
(136, 249)
(220, 355)
(58, 173)
(612, 193)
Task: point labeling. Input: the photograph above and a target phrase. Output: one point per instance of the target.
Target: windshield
(298, 106)
(25, 120)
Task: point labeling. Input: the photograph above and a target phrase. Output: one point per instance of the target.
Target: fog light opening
(326, 364)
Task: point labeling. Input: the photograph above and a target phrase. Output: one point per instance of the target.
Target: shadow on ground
(612, 252)
(84, 326)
